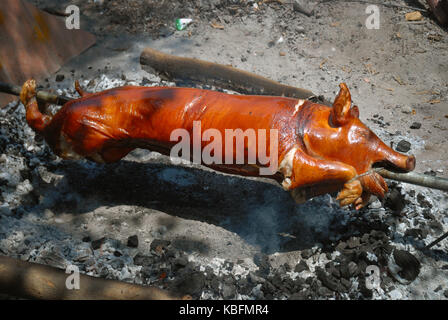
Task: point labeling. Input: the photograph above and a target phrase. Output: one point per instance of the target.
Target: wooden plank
(35, 44)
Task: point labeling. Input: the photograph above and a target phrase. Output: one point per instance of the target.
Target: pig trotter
(28, 92)
(80, 91)
(359, 191)
(34, 117)
(375, 184)
(350, 194)
(78, 88)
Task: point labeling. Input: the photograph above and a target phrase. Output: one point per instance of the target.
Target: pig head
(346, 148)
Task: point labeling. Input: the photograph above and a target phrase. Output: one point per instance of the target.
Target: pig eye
(365, 134)
(359, 135)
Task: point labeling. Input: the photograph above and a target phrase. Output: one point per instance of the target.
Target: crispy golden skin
(323, 148)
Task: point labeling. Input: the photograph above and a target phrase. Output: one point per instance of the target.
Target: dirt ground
(397, 75)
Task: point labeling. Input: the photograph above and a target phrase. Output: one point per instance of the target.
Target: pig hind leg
(34, 117)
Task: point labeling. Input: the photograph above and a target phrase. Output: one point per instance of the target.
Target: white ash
(372, 257)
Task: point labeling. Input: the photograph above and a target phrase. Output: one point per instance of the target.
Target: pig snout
(396, 160)
(410, 163)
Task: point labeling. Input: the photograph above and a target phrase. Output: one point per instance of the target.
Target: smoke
(277, 224)
(261, 228)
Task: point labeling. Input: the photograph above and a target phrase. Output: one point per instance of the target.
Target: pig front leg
(372, 183)
(318, 176)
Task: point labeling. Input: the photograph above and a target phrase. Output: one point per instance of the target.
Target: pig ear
(341, 106)
(354, 112)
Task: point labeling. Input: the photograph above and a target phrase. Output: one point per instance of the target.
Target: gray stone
(304, 7)
(133, 241)
(301, 266)
(403, 146)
